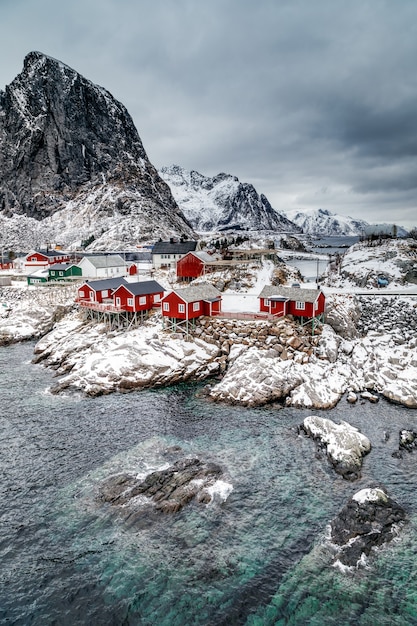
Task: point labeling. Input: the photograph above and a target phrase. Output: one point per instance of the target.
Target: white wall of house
(89, 270)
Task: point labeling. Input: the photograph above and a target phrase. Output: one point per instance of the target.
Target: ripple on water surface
(257, 556)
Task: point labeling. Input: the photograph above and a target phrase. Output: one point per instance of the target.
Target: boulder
(345, 445)
(169, 490)
(369, 519)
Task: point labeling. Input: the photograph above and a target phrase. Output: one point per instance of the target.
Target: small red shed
(99, 290)
(141, 296)
(192, 302)
(279, 300)
(193, 265)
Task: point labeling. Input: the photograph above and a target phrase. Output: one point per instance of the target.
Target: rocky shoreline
(366, 348)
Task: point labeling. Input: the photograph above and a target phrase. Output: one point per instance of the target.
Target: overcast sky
(312, 101)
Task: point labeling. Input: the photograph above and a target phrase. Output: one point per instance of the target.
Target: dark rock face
(169, 490)
(60, 134)
(368, 520)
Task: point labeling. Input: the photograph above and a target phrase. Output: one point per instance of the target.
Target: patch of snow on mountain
(320, 222)
(222, 203)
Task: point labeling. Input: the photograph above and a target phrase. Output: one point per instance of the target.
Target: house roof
(174, 247)
(202, 291)
(62, 266)
(106, 283)
(289, 293)
(105, 260)
(143, 288)
(42, 273)
(48, 253)
(205, 257)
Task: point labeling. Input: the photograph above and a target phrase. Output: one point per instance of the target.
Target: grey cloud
(292, 95)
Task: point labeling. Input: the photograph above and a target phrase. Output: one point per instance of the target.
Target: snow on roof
(289, 293)
(105, 260)
(143, 288)
(106, 283)
(202, 291)
(203, 256)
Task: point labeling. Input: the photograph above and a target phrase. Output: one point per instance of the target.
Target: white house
(103, 266)
(167, 253)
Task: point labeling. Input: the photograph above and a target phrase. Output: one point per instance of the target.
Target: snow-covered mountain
(223, 203)
(72, 165)
(323, 223)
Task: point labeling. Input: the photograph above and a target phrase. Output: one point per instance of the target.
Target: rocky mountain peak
(63, 138)
(222, 202)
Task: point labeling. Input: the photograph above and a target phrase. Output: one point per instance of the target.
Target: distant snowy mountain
(320, 222)
(222, 203)
(73, 167)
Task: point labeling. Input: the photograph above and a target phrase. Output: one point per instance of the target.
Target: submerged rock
(408, 440)
(369, 519)
(169, 490)
(345, 445)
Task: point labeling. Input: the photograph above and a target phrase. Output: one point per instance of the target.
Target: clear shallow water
(258, 558)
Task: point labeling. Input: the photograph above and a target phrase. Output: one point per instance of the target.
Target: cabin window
(196, 306)
(266, 302)
(300, 306)
(105, 293)
(52, 272)
(156, 297)
(166, 306)
(33, 258)
(181, 308)
(118, 301)
(142, 300)
(130, 302)
(61, 273)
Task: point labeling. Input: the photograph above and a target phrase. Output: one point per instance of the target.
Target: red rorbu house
(141, 296)
(182, 306)
(42, 258)
(304, 303)
(99, 291)
(193, 265)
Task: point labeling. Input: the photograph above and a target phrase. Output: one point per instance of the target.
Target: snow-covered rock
(345, 445)
(95, 362)
(364, 262)
(30, 313)
(370, 519)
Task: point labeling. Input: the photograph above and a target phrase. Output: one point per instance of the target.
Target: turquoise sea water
(257, 558)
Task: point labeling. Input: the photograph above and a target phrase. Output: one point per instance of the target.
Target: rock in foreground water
(169, 490)
(370, 519)
(345, 445)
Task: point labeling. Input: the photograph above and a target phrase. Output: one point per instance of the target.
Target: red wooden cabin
(279, 300)
(141, 296)
(40, 258)
(99, 290)
(193, 265)
(192, 302)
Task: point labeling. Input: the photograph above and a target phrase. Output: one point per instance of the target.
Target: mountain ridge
(223, 202)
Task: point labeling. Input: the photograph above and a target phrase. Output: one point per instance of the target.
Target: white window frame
(266, 302)
(157, 297)
(165, 306)
(196, 306)
(300, 306)
(130, 302)
(181, 308)
(142, 300)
